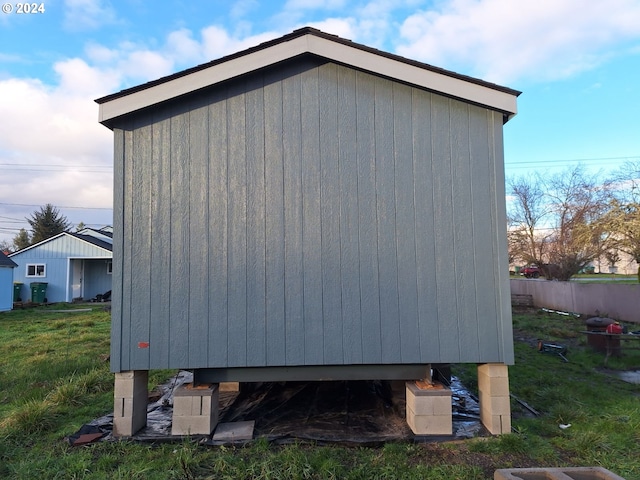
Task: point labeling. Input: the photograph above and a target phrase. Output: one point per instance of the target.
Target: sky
(576, 62)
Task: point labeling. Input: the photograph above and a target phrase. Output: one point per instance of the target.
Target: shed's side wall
(311, 215)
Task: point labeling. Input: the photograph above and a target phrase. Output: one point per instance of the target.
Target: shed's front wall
(310, 215)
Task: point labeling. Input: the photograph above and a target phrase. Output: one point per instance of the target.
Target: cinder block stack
(195, 409)
(495, 404)
(130, 398)
(429, 408)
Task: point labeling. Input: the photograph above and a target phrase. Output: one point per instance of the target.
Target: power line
(566, 162)
(594, 159)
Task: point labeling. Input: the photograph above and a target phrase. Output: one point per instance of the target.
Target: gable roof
(315, 42)
(84, 238)
(6, 261)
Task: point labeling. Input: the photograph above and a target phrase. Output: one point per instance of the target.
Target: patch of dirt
(443, 454)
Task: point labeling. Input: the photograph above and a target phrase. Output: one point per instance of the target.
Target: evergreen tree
(21, 240)
(46, 223)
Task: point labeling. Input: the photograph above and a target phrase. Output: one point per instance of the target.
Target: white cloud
(503, 40)
(182, 46)
(216, 42)
(77, 78)
(83, 15)
(242, 7)
(146, 64)
(100, 54)
(342, 27)
(55, 129)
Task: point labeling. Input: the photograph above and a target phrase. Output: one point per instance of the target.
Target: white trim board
(441, 81)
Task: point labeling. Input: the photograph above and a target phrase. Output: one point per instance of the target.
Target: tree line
(561, 223)
(45, 223)
(564, 222)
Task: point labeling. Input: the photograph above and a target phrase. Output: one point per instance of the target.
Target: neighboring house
(73, 265)
(307, 209)
(6, 282)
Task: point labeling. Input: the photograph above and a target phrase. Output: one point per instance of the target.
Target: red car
(530, 271)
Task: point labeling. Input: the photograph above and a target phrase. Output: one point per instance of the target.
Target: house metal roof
(315, 42)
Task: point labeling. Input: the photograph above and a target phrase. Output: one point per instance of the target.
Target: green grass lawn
(54, 378)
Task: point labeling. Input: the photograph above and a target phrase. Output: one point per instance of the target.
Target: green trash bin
(38, 292)
(17, 292)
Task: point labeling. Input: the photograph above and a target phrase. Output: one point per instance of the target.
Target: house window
(36, 270)
(109, 268)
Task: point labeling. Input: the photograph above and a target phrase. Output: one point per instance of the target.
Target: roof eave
(309, 41)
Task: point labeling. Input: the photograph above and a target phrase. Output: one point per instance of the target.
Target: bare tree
(555, 221)
(6, 246)
(528, 237)
(578, 202)
(623, 217)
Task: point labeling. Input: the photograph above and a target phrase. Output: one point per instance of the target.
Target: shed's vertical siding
(311, 215)
(306, 216)
(180, 268)
(445, 308)
(160, 246)
(293, 253)
(424, 185)
(348, 184)
(218, 230)
(330, 217)
(117, 314)
(502, 290)
(256, 225)
(386, 220)
(275, 244)
(237, 224)
(367, 220)
(140, 240)
(198, 293)
(405, 214)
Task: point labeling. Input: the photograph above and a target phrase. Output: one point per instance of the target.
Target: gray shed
(310, 208)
